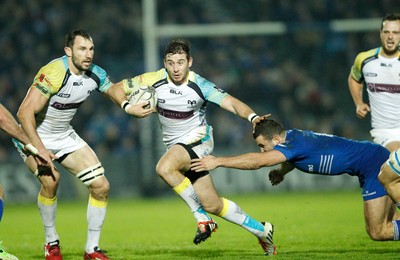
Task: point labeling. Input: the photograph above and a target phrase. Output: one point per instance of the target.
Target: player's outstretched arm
(239, 108)
(247, 161)
(10, 126)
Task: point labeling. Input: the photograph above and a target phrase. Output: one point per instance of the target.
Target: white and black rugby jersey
(66, 92)
(382, 80)
(181, 109)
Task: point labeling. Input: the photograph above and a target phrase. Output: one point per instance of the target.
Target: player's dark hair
(70, 37)
(178, 46)
(390, 17)
(268, 128)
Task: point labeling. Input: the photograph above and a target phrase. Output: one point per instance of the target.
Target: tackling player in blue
(322, 154)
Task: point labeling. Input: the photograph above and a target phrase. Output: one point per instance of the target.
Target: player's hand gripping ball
(143, 93)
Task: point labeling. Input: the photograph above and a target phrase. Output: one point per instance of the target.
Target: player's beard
(389, 51)
(75, 62)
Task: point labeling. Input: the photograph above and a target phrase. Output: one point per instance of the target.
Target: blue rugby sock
(1, 209)
(396, 229)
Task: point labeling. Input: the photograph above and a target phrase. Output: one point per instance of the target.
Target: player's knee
(162, 169)
(100, 188)
(377, 234)
(50, 182)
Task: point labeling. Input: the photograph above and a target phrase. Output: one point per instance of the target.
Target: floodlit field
(307, 226)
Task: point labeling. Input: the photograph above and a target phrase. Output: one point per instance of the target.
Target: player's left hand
(206, 163)
(259, 119)
(275, 177)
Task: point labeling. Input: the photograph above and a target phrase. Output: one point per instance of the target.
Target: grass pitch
(318, 225)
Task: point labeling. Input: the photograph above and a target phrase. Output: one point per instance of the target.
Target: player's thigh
(85, 160)
(378, 212)
(206, 192)
(80, 160)
(393, 146)
(387, 175)
(176, 158)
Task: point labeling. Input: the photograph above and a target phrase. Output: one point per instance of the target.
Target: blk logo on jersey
(176, 92)
(388, 65)
(80, 83)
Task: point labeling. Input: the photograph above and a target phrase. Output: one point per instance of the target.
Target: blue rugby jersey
(332, 155)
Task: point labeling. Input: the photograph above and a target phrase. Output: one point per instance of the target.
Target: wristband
(125, 106)
(32, 149)
(252, 117)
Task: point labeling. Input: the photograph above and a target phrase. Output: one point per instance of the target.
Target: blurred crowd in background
(300, 77)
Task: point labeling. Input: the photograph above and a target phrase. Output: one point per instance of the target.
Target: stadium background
(300, 76)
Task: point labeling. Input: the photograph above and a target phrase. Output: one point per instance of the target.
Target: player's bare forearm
(355, 90)
(116, 93)
(10, 126)
(236, 107)
(249, 161)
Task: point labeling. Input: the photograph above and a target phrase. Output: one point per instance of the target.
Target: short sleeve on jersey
(211, 92)
(49, 78)
(105, 82)
(356, 69)
(146, 79)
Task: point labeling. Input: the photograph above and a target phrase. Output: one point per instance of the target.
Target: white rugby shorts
(200, 140)
(59, 145)
(385, 136)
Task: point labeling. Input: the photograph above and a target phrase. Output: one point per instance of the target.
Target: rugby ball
(143, 93)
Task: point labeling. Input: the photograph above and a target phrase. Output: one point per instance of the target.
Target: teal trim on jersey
(65, 61)
(105, 83)
(209, 90)
(208, 135)
(18, 144)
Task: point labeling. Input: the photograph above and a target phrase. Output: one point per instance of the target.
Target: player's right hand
(206, 163)
(44, 159)
(139, 110)
(362, 110)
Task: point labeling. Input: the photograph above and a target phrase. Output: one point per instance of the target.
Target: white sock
(233, 213)
(96, 213)
(48, 209)
(186, 191)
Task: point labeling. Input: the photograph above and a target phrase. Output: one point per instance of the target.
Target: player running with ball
(182, 99)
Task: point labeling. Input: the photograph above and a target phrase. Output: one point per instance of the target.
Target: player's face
(81, 54)
(390, 38)
(177, 66)
(265, 144)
